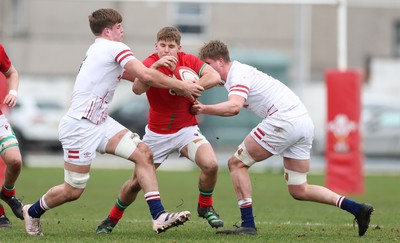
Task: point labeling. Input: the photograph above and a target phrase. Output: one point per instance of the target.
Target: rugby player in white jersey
(87, 128)
(286, 130)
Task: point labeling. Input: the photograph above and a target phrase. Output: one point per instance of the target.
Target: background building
(47, 40)
(49, 37)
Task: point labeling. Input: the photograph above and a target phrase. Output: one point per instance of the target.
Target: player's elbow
(235, 110)
(137, 92)
(146, 79)
(139, 87)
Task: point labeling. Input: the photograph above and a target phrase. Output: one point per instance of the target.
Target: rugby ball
(185, 73)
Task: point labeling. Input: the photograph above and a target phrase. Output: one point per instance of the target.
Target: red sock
(205, 201)
(6, 192)
(116, 214)
(1, 210)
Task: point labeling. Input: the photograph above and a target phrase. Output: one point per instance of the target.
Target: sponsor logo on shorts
(87, 155)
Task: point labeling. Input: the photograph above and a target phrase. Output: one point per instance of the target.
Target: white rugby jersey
(265, 96)
(98, 77)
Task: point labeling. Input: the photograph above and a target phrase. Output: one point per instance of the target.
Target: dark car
(132, 114)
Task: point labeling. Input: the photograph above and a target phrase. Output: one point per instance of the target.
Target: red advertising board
(343, 141)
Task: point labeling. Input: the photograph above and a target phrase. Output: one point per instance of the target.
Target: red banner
(343, 140)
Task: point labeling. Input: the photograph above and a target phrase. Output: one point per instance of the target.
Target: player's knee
(14, 165)
(148, 153)
(145, 155)
(73, 194)
(134, 186)
(70, 193)
(210, 168)
(298, 192)
(234, 163)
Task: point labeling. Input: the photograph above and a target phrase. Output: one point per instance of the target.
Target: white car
(381, 131)
(35, 122)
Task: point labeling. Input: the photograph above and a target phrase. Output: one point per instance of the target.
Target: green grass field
(279, 218)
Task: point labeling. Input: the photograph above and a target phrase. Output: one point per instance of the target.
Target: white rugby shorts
(287, 138)
(5, 127)
(163, 145)
(81, 139)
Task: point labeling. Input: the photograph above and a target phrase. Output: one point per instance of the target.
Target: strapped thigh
(193, 146)
(243, 155)
(294, 177)
(127, 145)
(76, 180)
(8, 142)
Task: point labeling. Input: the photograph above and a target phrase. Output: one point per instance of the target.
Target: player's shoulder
(183, 56)
(238, 67)
(151, 59)
(111, 45)
(2, 49)
(190, 60)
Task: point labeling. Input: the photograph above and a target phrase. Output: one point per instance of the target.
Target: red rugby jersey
(5, 65)
(168, 112)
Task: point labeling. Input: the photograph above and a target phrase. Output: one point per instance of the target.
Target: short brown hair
(103, 18)
(169, 33)
(214, 49)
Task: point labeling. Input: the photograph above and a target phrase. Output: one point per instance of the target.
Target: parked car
(380, 127)
(381, 131)
(35, 122)
(132, 113)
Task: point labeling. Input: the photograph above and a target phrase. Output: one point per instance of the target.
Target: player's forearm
(209, 81)
(210, 78)
(12, 79)
(159, 80)
(152, 77)
(221, 109)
